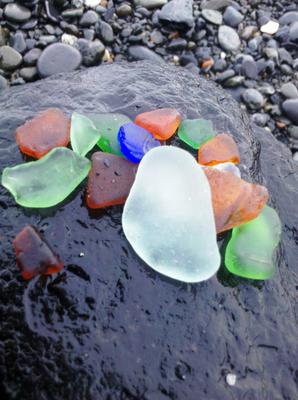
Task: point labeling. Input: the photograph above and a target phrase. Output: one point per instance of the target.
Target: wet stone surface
(108, 326)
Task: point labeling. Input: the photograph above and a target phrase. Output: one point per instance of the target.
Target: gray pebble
(295, 156)
(73, 13)
(150, 4)
(253, 99)
(89, 18)
(249, 69)
(58, 57)
(232, 17)
(18, 42)
(228, 38)
(143, 53)
(288, 18)
(92, 52)
(28, 73)
(32, 56)
(10, 59)
(105, 32)
(290, 108)
(289, 90)
(213, 16)
(260, 119)
(293, 131)
(123, 10)
(16, 13)
(293, 32)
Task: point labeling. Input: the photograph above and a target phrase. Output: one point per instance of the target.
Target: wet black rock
(89, 18)
(57, 58)
(105, 32)
(92, 52)
(109, 327)
(16, 12)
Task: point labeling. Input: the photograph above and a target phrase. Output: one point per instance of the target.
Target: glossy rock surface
(110, 180)
(46, 182)
(34, 256)
(161, 123)
(219, 150)
(45, 131)
(175, 238)
(234, 200)
(250, 252)
(113, 328)
(135, 142)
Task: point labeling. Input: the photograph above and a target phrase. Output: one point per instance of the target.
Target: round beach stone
(10, 59)
(253, 99)
(232, 17)
(16, 13)
(289, 90)
(290, 108)
(213, 16)
(228, 38)
(57, 58)
(3, 83)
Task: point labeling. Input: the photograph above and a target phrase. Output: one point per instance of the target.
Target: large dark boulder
(111, 328)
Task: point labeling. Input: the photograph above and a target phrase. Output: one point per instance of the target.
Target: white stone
(168, 217)
(92, 3)
(68, 39)
(231, 379)
(271, 27)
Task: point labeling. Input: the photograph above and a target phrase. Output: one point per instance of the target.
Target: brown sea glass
(110, 180)
(49, 129)
(33, 254)
(162, 123)
(219, 150)
(234, 200)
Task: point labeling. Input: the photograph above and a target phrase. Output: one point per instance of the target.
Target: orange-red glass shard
(234, 200)
(162, 123)
(110, 180)
(49, 129)
(33, 254)
(219, 150)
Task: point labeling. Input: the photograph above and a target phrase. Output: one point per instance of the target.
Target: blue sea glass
(135, 142)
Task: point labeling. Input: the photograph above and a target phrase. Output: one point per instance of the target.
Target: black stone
(109, 327)
(290, 108)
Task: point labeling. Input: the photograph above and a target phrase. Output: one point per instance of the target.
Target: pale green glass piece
(108, 126)
(251, 250)
(83, 134)
(196, 132)
(168, 217)
(48, 181)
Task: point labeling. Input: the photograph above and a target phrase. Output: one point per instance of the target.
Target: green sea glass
(251, 250)
(108, 126)
(196, 132)
(48, 181)
(83, 134)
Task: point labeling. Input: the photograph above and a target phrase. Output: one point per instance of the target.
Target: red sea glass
(110, 180)
(33, 254)
(49, 129)
(234, 200)
(162, 123)
(219, 150)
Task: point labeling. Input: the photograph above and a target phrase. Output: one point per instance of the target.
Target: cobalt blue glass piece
(135, 142)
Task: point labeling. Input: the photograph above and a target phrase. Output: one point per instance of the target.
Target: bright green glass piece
(196, 132)
(48, 181)
(251, 250)
(83, 134)
(108, 126)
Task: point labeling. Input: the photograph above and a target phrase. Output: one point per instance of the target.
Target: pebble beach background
(249, 47)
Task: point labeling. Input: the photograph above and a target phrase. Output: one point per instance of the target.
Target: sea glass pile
(174, 205)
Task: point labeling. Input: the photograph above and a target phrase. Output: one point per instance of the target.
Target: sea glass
(110, 180)
(250, 252)
(46, 182)
(108, 126)
(49, 129)
(169, 220)
(83, 134)
(196, 132)
(234, 200)
(34, 256)
(162, 123)
(222, 148)
(135, 142)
